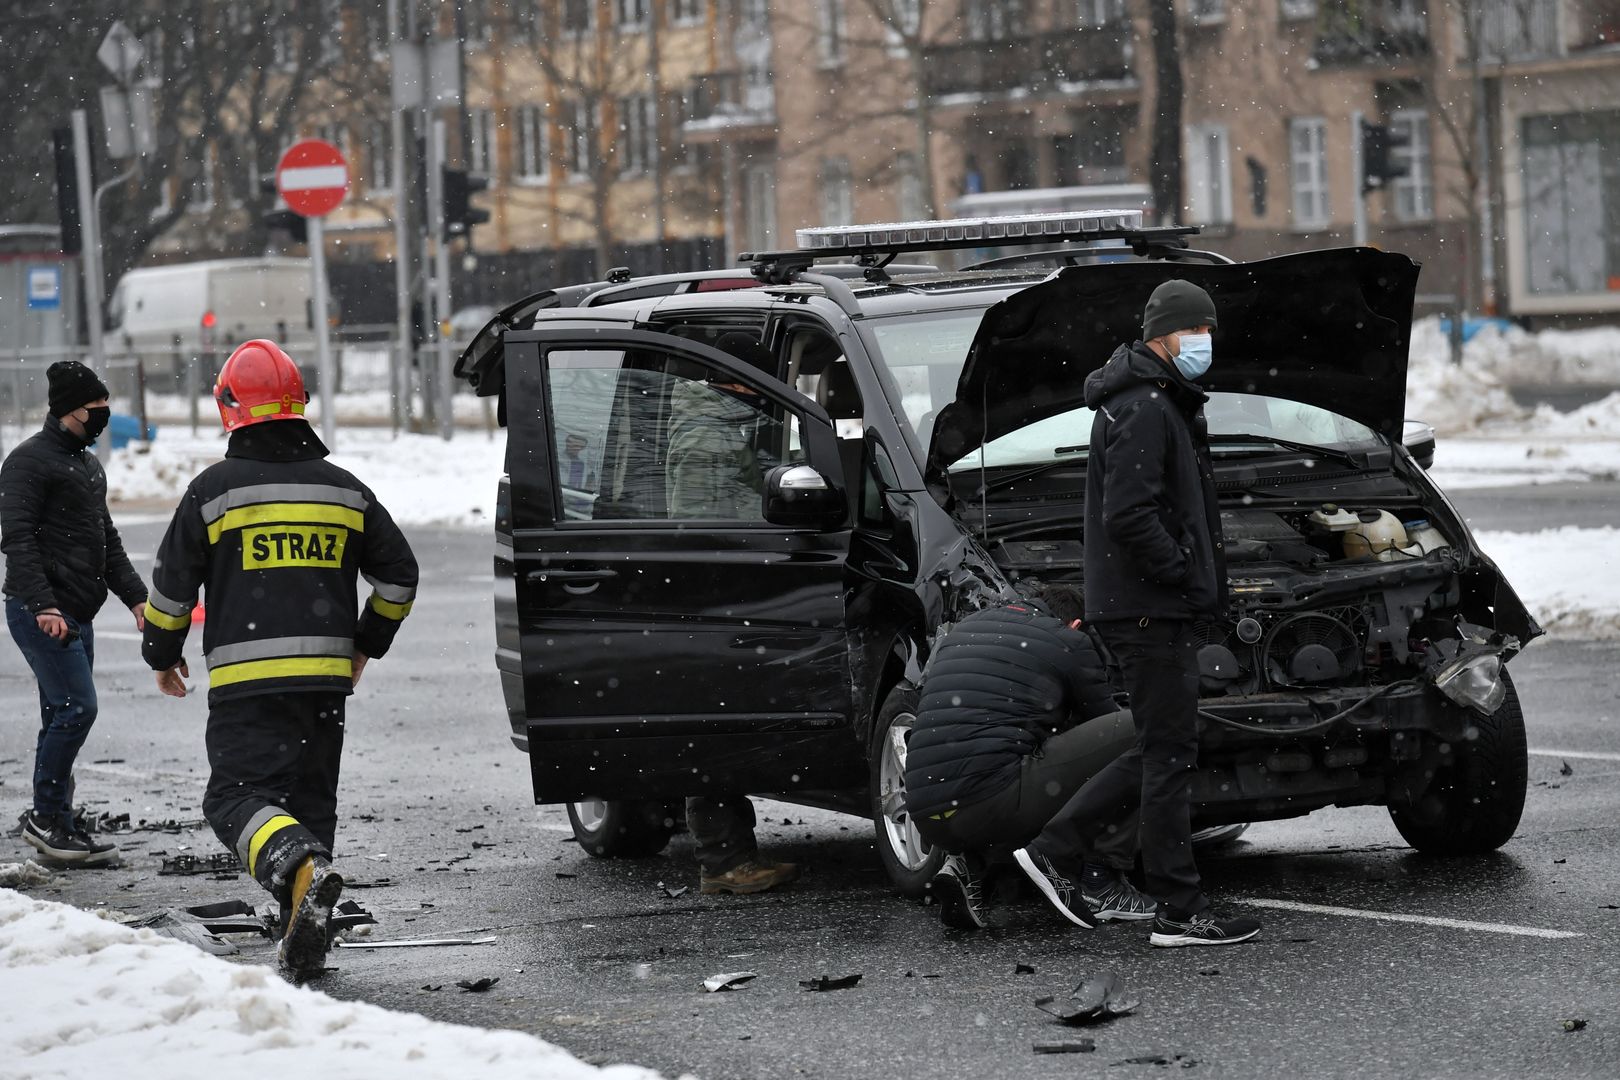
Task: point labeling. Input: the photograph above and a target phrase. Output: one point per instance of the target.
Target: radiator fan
(1311, 649)
(1219, 652)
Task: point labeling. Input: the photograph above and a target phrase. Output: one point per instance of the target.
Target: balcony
(1370, 31)
(1061, 61)
(729, 105)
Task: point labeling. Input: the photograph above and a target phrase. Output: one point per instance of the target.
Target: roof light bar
(982, 231)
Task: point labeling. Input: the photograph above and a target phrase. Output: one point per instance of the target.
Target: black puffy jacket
(61, 548)
(1153, 523)
(1001, 683)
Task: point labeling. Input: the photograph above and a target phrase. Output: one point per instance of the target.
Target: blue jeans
(67, 704)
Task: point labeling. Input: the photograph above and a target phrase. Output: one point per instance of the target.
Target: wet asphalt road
(593, 955)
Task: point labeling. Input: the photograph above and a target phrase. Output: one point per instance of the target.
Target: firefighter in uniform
(275, 535)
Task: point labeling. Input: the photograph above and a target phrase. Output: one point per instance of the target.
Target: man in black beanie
(1154, 567)
(62, 555)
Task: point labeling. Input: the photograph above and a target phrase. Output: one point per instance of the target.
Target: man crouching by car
(1016, 714)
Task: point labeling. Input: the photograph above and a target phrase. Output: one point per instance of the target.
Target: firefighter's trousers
(272, 795)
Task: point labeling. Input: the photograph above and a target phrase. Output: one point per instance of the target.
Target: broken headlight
(1474, 682)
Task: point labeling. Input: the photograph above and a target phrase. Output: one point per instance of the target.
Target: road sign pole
(90, 234)
(441, 274)
(323, 343)
(1358, 177)
(401, 381)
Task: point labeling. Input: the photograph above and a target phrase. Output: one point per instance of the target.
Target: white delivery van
(237, 299)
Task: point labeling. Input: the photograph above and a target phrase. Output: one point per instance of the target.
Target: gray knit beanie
(1176, 305)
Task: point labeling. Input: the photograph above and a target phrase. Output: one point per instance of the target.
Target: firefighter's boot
(314, 893)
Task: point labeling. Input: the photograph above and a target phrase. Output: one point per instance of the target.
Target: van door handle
(575, 581)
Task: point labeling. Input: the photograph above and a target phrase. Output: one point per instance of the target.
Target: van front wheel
(621, 829)
(910, 860)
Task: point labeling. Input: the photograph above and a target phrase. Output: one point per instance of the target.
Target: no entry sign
(312, 177)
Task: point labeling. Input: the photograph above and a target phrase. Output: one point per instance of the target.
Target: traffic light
(459, 213)
(294, 224)
(1378, 162)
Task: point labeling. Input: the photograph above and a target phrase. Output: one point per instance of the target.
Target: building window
(578, 16)
(1307, 171)
(481, 147)
(759, 205)
(1095, 152)
(638, 134)
(1414, 192)
(1571, 189)
(534, 144)
(995, 20)
(688, 12)
(1099, 13)
(1209, 175)
(585, 121)
(830, 32)
(630, 15)
(908, 188)
(378, 161)
(1206, 12)
(837, 192)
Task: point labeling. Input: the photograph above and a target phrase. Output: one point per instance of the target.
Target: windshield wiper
(1045, 467)
(1288, 444)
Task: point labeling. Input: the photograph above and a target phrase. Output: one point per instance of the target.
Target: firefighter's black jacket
(274, 536)
(60, 545)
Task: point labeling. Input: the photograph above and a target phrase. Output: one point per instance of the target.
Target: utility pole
(401, 380)
(441, 273)
(90, 229)
(655, 15)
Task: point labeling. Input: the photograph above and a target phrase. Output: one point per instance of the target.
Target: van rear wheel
(621, 829)
(910, 860)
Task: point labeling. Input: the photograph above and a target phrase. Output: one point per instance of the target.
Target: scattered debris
(1096, 1001)
(563, 875)
(1081, 1046)
(102, 821)
(826, 982)
(673, 894)
(1301, 940)
(477, 986)
(1181, 1060)
(433, 988)
(1023, 969)
(1209, 971)
(375, 883)
(730, 980)
(220, 862)
(1560, 862)
(470, 828)
(28, 872)
(415, 943)
(1565, 770)
(1573, 1025)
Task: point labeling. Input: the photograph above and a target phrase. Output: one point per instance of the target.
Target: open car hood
(1328, 328)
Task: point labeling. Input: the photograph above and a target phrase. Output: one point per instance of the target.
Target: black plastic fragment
(1573, 1025)
(1097, 1000)
(1080, 1046)
(1023, 969)
(1565, 770)
(826, 982)
(673, 894)
(217, 863)
(432, 987)
(477, 986)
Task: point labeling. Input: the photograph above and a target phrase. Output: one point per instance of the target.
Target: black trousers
(272, 792)
(722, 828)
(1036, 805)
(1160, 665)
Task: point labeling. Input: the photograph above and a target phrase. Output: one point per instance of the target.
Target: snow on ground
(1569, 578)
(1475, 462)
(105, 1000)
(421, 479)
(174, 410)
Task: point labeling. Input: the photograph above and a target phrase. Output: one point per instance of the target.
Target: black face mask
(97, 421)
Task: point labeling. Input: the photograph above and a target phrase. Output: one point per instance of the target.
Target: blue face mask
(1197, 353)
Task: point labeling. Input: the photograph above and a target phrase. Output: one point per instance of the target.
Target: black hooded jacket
(61, 548)
(1153, 524)
(1001, 683)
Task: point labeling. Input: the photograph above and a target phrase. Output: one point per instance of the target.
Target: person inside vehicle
(714, 471)
(1154, 566)
(1015, 715)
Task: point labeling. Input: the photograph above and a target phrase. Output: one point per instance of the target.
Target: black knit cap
(72, 385)
(1176, 305)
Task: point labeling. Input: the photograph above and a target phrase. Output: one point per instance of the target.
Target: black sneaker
(959, 893)
(55, 840)
(102, 852)
(1060, 890)
(1115, 899)
(1205, 928)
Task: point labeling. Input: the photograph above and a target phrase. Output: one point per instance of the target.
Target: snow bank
(105, 1000)
(1569, 578)
(1473, 462)
(29, 872)
(421, 479)
(1454, 398)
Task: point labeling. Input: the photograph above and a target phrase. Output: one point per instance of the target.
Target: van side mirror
(1418, 438)
(799, 497)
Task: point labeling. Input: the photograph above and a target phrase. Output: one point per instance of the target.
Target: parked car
(918, 442)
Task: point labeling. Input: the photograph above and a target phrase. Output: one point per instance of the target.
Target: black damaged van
(918, 440)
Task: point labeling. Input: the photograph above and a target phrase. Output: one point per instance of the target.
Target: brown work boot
(315, 891)
(754, 876)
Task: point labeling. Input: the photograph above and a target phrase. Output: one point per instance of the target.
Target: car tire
(1473, 805)
(621, 829)
(911, 861)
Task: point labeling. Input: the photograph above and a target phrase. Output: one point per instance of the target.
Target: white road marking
(1578, 755)
(1389, 916)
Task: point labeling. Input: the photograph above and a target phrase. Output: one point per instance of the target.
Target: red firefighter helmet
(259, 382)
